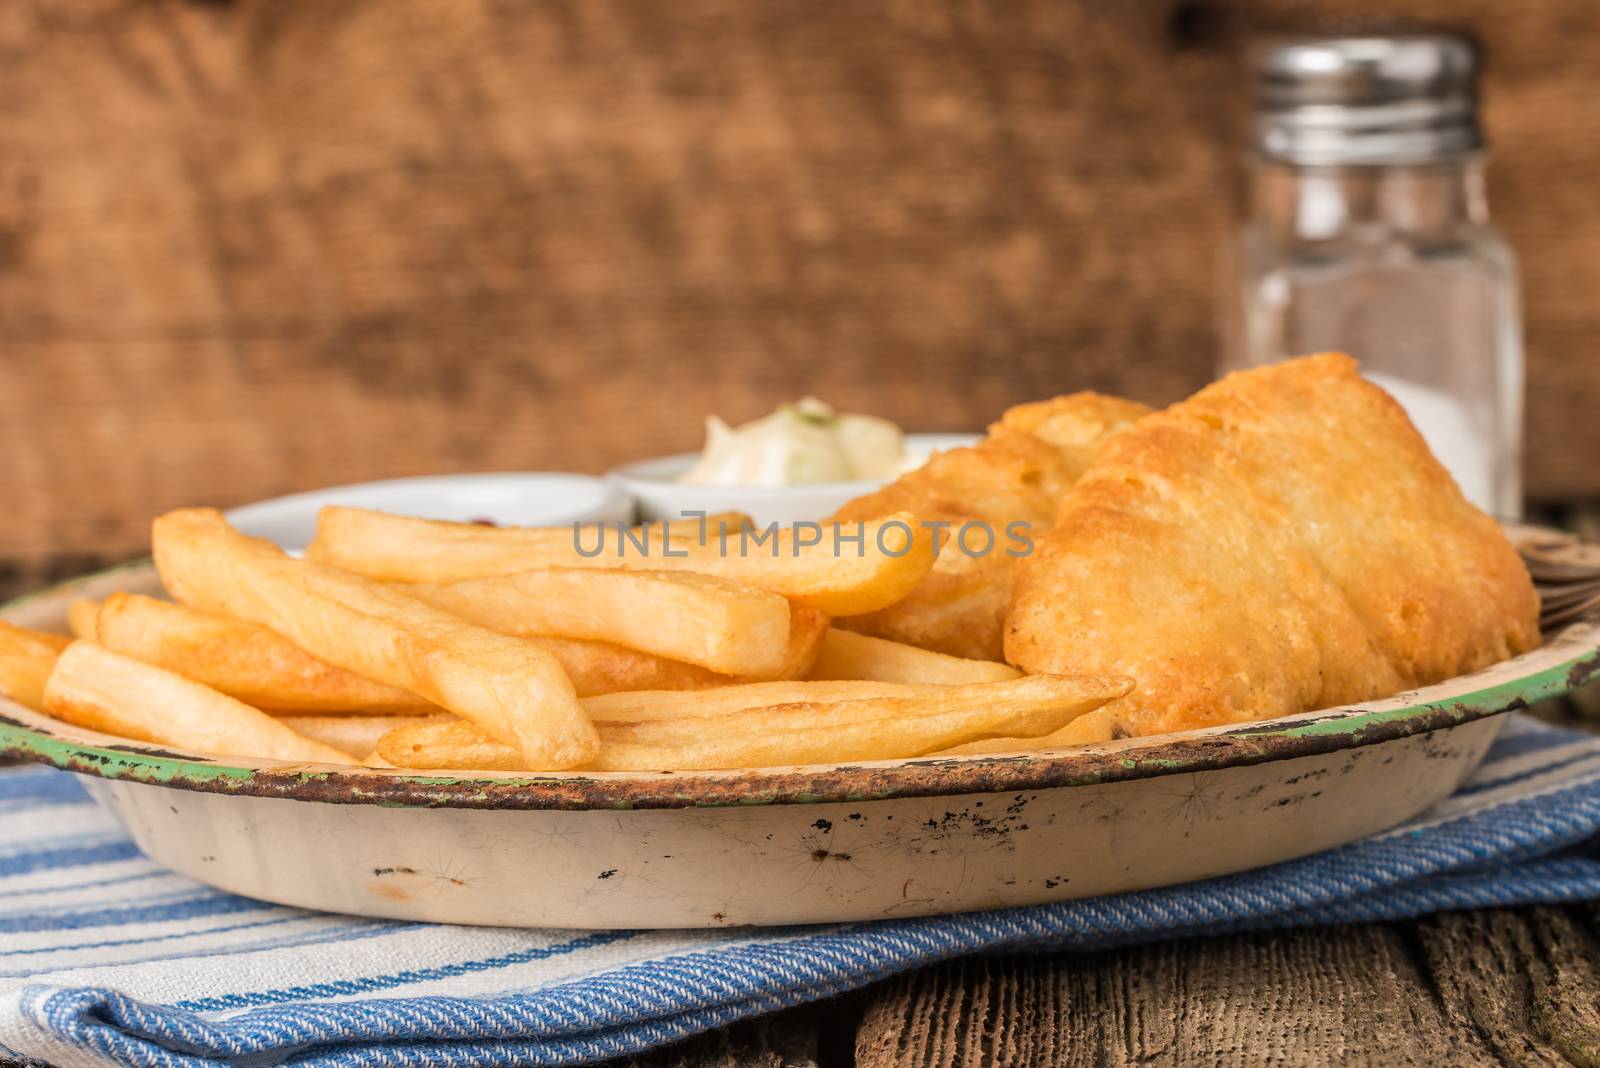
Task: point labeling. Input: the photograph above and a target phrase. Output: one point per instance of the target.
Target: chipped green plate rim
(1567, 660)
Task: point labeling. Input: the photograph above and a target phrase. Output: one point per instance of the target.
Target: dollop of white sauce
(799, 444)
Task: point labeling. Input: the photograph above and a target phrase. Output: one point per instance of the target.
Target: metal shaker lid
(1366, 100)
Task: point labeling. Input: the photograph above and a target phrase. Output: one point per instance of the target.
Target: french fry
(104, 691)
(806, 629)
(398, 548)
(1101, 725)
(82, 618)
(261, 668)
(646, 706)
(872, 728)
(836, 576)
(511, 688)
(697, 619)
(847, 655)
(243, 660)
(600, 667)
(451, 744)
(356, 735)
(26, 659)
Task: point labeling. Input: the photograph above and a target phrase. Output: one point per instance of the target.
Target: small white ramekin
(652, 484)
(524, 499)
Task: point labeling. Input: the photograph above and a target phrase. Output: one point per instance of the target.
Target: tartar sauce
(799, 444)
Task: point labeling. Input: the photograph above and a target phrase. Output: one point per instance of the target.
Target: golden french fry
(847, 655)
(407, 549)
(855, 568)
(450, 744)
(698, 619)
(104, 691)
(600, 667)
(82, 618)
(356, 735)
(872, 728)
(243, 660)
(806, 629)
(513, 689)
(26, 659)
(647, 705)
(1101, 725)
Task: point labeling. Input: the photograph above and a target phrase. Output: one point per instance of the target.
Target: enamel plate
(789, 845)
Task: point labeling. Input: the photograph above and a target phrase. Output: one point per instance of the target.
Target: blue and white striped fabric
(105, 958)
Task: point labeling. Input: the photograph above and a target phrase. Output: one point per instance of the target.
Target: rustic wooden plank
(253, 247)
(389, 238)
(1527, 981)
(1498, 986)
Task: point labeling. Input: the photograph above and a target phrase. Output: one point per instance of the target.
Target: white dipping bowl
(652, 483)
(523, 499)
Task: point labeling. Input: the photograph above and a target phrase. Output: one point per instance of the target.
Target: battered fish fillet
(1015, 474)
(1282, 541)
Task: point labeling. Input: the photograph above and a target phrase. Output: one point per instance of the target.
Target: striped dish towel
(106, 958)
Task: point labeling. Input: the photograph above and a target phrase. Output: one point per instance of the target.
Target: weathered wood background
(249, 247)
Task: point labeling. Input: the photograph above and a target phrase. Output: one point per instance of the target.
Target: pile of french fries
(410, 643)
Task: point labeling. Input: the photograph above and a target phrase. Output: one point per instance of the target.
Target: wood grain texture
(255, 246)
(1493, 987)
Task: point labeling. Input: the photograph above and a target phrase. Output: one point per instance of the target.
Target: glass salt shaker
(1368, 232)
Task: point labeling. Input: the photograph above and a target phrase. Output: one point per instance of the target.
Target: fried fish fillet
(1016, 474)
(1282, 541)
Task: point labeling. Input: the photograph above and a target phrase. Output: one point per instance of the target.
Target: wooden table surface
(1499, 986)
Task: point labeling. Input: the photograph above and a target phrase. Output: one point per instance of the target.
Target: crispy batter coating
(1281, 541)
(1015, 474)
